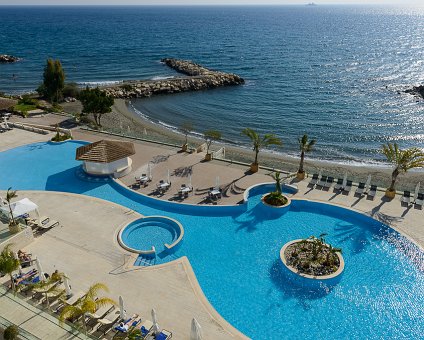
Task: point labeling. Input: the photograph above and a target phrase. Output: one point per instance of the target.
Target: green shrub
(61, 137)
(11, 333)
(71, 90)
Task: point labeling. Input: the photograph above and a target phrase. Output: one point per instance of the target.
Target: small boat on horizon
(311, 4)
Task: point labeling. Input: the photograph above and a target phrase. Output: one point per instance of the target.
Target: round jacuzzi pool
(151, 235)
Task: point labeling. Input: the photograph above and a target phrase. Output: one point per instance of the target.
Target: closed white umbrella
(217, 181)
(169, 177)
(122, 313)
(67, 286)
(155, 322)
(319, 174)
(344, 180)
(196, 330)
(149, 171)
(189, 180)
(155, 328)
(417, 190)
(368, 183)
(40, 270)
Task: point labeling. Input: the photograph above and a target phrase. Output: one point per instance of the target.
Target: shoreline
(123, 119)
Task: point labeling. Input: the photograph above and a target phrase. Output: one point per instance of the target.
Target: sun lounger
(94, 317)
(329, 182)
(163, 335)
(360, 189)
(44, 223)
(146, 327)
(339, 184)
(105, 325)
(314, 179)
(322, 181)
(53, 295)
(406, 197)
(420, 200)
(134, 321)
(373, 191)
(348, 186)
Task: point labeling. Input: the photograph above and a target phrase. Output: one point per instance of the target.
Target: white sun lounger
(406, 197)
(339, 184)
(314, 179)
(348, 186)
(373, 191)
(322, 181)
(420, 200)
(360, 189)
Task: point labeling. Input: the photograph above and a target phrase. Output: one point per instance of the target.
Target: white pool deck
(85, 246)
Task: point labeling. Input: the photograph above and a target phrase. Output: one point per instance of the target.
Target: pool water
(145, 233)
(235, 255)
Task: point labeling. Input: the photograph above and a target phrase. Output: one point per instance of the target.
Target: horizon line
(215, 5)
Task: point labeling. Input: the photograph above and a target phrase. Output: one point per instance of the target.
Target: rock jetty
(5, 58)
(416, 91)
(196, 78)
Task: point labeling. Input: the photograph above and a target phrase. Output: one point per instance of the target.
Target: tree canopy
(258, 142)
(53, 81)
(96, 102)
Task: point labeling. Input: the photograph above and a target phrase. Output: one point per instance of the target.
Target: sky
(418, 3)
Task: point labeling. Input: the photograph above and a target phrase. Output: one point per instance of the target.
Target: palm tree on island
(305, 145)
(259, 143)
(403, 160)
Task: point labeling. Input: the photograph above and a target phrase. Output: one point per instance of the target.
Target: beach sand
(124, 120)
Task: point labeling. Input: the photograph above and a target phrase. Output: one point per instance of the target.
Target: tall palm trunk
(302, 159)
(256, 155)
(11, 213)
(395, 174)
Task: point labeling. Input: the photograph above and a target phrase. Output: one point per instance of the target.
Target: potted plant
(185, 128)
(210, 136)
(276, 197)
(13, 224)
(403, 160)
(305, 145)
(259, 143)
(313, 257)
(11, 333)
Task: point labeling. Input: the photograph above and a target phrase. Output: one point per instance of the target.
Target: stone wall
(197, 78)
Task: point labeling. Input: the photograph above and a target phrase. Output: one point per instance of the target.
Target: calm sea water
(335, 73)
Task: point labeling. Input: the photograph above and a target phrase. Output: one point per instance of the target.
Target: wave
(100, 83)
(162, 77)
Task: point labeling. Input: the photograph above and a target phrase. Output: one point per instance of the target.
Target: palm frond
(94, 290)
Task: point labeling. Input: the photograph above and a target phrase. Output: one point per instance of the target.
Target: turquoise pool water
(235, 255)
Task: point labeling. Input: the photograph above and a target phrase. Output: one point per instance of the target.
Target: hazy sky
(418, 3)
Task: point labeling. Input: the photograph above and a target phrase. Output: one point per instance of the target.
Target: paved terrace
(85, 245)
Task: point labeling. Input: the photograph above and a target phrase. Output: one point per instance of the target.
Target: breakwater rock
(196, 78)
(5, 58)
(417, 91)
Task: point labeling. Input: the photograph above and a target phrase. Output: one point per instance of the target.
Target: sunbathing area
(76, 218)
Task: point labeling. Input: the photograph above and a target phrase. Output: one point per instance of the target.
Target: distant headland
(197, 78)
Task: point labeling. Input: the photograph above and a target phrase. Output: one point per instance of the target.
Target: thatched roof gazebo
(106, 157)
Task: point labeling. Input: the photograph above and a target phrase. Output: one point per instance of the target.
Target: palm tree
(305, 145)
(403, 160)
(210, 136)
(50, 286)
(9, 263)
(185, 128)
(89, 303)
(9, 196)
(259, 143)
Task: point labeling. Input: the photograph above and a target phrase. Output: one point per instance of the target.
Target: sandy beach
(124, 120)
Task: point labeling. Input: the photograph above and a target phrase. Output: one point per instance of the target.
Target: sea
(335, 73)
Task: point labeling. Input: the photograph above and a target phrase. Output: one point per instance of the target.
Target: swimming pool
(234, 252)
